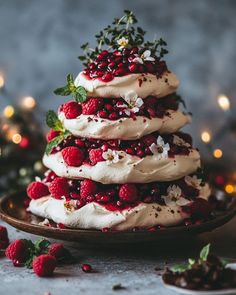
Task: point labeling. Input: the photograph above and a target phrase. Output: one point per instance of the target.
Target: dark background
(40, 42)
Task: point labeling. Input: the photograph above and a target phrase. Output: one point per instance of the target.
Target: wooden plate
(13, 212)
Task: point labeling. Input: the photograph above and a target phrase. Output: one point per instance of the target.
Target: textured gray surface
(40, 42)
(132, 266)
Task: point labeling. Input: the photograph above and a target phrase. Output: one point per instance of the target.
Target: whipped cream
(96, 216)
(142, 84)
(129, 169)
(124, 128)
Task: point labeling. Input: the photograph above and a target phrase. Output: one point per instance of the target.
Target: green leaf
(80, 94)
(53, 143)
(53, 121)
(224, 262)
(41, 246)
(63, 91)
(179, 268)
(70, 79)
(204, 252)
(191, 261)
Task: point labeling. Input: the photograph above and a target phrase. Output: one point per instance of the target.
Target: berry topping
(52, 134)
(92, 106)
(128, 193)
(87, 187)
(44, 265)
(18, 251)
(73, 156)
(59, 188)
(72, 109)
(95, 156)
(36, 190)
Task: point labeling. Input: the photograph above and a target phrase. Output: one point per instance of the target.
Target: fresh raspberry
(95, 155)
(52, 134)
(3, 233)
(36, 190)
(17, 251)
(58, 251)
(128, 193)
(44, 265)
(72, 109)
(87, 188)
(59, 187)
(92, 106)
(73, 156)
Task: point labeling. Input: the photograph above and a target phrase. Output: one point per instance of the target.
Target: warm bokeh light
(2, 81)
(229, 188)
(205, 136)
(11, 132)
(9, 111)
(16, 138)
(28, 102)
(217, 153)
(223, 102)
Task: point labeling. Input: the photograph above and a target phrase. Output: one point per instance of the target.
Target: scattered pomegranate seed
(61, 226)
(86, 268)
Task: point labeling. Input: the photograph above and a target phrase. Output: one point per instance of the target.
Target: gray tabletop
(136, 267)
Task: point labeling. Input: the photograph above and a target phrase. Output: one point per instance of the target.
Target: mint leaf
(205, 252)
(53, 143)
(80, 94)
(53, 121)
(63, 91)
(179, 268)
(41, 246)
(70, 79)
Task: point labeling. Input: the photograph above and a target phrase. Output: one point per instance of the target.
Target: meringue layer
(142, 84)
(96, 216)
(90, 126)
(129, 169)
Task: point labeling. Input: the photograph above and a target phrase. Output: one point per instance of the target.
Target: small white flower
(145, 56)
(160, 149)
(111, 156)
(123, 42)
(133, 103)
(174, 196)
(179, 141)
(193, 181)
(70, 206)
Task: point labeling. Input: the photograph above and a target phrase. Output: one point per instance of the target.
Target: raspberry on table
(87, 187)
(36, 190)
(72, 109)
(44, 265)
(59, 187)
(58, 251)
(128, 193)
(17, 251)
(92, 106)
(73, 156)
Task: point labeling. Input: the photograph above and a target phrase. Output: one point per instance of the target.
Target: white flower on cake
(174, 196)
(160, 149)
(133, 103)
(110, 156)
(145, 56)
(179, 141)
(122, 42)
(70, 206)
(193, 181)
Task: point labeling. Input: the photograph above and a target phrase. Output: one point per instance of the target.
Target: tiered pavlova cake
(116, 157)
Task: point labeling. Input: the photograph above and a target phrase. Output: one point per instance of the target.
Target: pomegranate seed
(121, 65)
(102, 198)
(99, 73)
(86, 268)
(117, 53)
(130, 151)
(151, 112)
(108, 107)
(118, 60)
(90, 199)
(114, 143)
(112, 65)
(61, 226)
(134, 50)
(113, 116)
(140, 152)
(152, 229)
(125, 51)
(86, 72)
(102, 65)
(188, 222)
(111, 193)
(102, 114)
(17, 263)
(133, 67)
(104, 147)
(75, 195)
(107, 77)
(120, 72)
(79, 142)
(147, 151)
(102, 55)
(92, 66)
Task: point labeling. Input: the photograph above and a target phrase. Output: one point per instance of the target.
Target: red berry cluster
(108, 65)
(116, 196)
(78, 151)
(108, 108)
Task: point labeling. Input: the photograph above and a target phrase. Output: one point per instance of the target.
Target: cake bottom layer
(97, 216)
